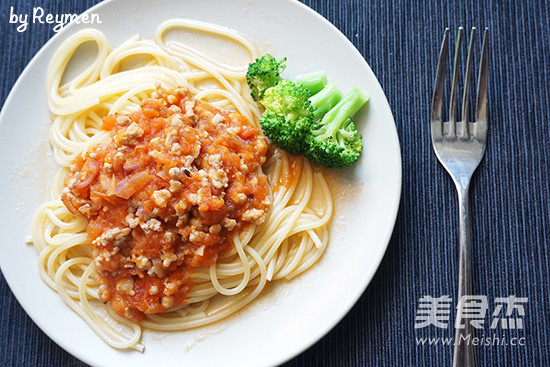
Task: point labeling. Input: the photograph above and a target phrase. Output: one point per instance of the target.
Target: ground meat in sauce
(165, 196)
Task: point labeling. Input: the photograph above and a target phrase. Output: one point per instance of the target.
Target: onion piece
(132, 184)
(90, 170)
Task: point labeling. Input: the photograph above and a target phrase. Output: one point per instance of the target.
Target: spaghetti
(290, 237)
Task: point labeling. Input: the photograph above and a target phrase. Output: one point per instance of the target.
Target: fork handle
(464, 350)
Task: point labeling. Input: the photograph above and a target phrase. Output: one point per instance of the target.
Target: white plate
(292, 316)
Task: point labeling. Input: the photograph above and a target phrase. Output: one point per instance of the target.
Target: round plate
(290, 316)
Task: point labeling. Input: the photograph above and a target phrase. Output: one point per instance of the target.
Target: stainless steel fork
(460, 146)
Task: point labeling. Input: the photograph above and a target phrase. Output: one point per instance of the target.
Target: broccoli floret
(334, 141)
(313, 82)
(307, 116)
(264, 73)
(288, 115)
(326, 99)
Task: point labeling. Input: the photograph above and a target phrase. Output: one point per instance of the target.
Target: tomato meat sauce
(177, 179)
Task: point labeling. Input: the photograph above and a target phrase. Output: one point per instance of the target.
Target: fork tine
(436, 117)
(463, 128)
(480, 127)
(454, 87)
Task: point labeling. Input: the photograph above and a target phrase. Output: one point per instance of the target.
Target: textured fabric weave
(510, 193)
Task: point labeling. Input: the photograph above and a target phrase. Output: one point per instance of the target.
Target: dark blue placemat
(510, 193)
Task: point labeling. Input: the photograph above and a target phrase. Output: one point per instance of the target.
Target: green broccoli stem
(313, 82)
(326, 99)
(338, 116)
